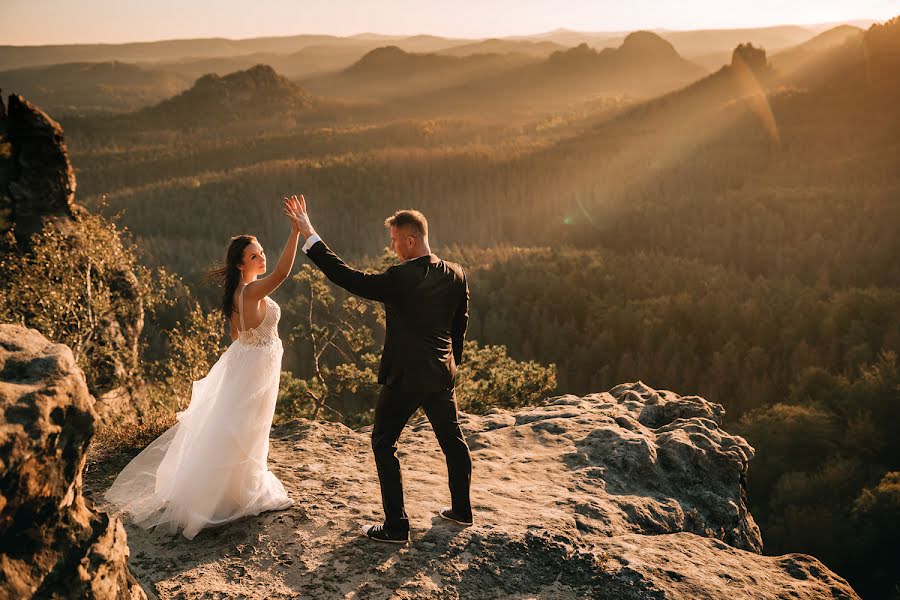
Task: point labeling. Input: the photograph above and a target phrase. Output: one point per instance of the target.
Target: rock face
(37, 189)
(37, 184)
(752, 58)
(52, 544)
(634, 493)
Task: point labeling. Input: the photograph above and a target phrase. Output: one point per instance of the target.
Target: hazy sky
(86, 21)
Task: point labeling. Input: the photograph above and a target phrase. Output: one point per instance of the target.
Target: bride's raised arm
(260, 288)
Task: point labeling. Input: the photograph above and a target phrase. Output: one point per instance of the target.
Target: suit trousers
(394, 409)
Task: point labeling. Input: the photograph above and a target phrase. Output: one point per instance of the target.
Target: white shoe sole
(367, 528)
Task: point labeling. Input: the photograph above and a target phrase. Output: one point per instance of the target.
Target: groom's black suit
(426, 303)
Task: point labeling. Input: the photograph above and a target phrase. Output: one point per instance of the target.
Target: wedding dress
(210, 467)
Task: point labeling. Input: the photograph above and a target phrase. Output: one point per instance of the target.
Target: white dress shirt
(310, 241)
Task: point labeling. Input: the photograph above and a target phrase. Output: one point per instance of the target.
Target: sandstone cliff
(52, 543)
(37, 183)
(634, 493)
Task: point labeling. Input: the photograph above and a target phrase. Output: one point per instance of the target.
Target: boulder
(53, 544)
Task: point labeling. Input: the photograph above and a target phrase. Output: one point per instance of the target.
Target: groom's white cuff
(310, 241)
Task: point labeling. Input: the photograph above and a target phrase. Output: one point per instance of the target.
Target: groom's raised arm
(374, 286)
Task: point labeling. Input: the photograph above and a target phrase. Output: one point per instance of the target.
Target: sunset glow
(33, 22)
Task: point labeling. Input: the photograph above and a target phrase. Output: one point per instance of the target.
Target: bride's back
(254, 312)
(264, 331)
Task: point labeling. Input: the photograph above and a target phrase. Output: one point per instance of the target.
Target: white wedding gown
(210, 467)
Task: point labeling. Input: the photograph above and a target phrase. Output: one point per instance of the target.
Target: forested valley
(732, 235)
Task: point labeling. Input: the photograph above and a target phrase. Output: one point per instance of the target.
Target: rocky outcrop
(633, 493)
(37, 183)
(37, 190)
(753, 58)
(52, 543)
(652, 462)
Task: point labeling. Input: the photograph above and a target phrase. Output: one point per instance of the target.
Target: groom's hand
(303, 223)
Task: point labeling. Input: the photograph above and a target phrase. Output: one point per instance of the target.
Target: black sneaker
(380, 534)
(447, 513)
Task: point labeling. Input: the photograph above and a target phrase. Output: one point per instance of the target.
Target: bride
(210, 467)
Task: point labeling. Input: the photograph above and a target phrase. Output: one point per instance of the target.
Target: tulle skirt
(210, 467)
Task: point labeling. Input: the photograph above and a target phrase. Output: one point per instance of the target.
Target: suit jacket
(426, 302)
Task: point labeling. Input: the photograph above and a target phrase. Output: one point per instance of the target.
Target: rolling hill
(257, 93)
(804, 57)
(391, 72)
(310, 61)
(12, 57)
(93, 87)
(536, 49)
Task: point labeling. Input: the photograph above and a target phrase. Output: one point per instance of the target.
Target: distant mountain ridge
(538, 49)
(637, 46)
(28, 56)
(148, 72)
(378, 68)
(385, 61)
(855, 80)
(307, 62)
(644, 65)
(390, 71)
(691, 44)
(806, 55)
(845, 61)
(93, 87)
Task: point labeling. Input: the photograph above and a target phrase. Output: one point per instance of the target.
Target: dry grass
(112, 444)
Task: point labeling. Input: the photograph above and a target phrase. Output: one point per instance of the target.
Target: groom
(426, 303)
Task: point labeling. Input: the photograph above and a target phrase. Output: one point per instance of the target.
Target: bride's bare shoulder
(254, 291)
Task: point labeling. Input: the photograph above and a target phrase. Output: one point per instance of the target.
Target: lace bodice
(266, 332)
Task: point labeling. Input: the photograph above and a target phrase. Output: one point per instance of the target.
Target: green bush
(85, 288)
(489, 378)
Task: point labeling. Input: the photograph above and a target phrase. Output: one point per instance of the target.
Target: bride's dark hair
(228, 275)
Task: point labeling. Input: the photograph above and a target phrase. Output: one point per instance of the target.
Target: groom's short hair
(410, 217)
